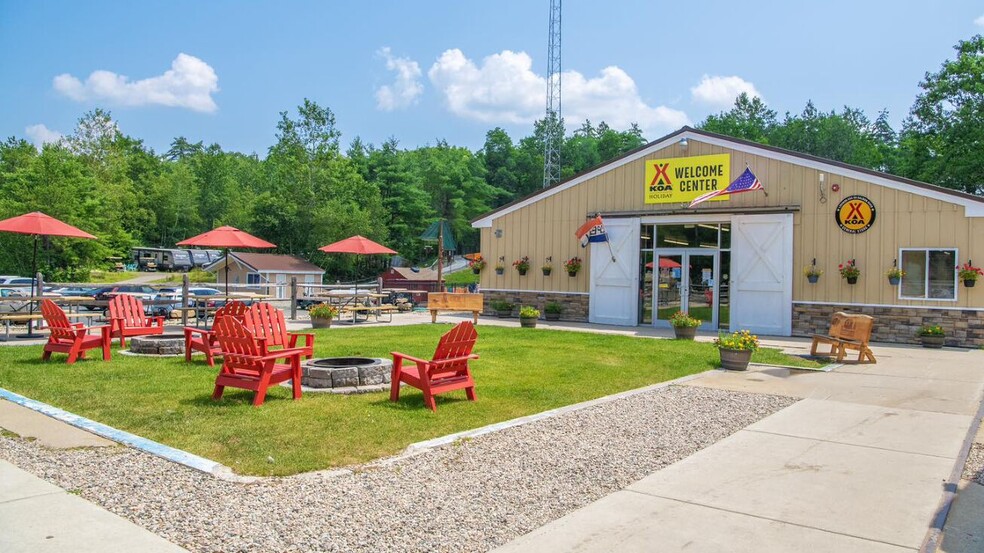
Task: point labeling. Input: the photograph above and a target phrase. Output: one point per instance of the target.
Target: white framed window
(930, 274)
(252, 278)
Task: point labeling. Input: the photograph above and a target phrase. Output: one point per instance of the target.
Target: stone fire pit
(347, 375)
(157, 344)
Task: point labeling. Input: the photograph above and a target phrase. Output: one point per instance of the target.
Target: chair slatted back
(856, 328)
(58, 324)
(235, 309)
(129, 309)
(266, 321)
(457, 342)
(239, 346)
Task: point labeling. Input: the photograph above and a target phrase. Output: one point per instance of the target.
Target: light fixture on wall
(498, 233)
(683, 143)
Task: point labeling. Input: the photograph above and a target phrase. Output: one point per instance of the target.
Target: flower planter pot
(735, 359)
(527, 322)
(969, 282)
(932, 342)
(500, 271)
(476, 271)
(320, 322)
(502, 313)
(522, 272)
(546, 272)
(685, 332)
(894, 281)
(572, 273)
(812, 279)
(852, 280)
(552, 316)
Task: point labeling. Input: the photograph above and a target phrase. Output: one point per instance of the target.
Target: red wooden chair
(203, 340)
(247, 365)
(266, 321)
(127, 318)
(447, 370)
(73, 339)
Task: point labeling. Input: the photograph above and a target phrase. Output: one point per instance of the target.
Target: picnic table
(11, 318)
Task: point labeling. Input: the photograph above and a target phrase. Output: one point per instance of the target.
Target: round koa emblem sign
(855, 214)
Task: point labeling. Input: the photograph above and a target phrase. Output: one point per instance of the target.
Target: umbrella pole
(227, 274)
(34, 275)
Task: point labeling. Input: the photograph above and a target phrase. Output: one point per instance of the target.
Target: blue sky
(421, 71)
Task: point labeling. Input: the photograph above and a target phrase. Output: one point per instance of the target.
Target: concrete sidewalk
(859, 465)
(36, 516)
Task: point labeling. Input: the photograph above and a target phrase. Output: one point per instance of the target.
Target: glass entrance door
(686, 281)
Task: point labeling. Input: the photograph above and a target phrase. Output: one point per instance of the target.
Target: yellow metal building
(738, 261)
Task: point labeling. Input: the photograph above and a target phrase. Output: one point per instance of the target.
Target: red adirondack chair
(200, 339)
(266, 321)
(71, 338)
(447, 370)
(127, 318)
(247, 365)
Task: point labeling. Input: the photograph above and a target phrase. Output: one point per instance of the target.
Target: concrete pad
(964, 531)
(960, 368)
(58, 522)
(874, 494)
(49, 432)
(939, 434)
(943, 396)
(628, 522)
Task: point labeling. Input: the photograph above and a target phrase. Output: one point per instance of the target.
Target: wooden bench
(847, 331)
(444, 301)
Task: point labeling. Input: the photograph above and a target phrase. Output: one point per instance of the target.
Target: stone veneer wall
(963, 328)
(575, 305)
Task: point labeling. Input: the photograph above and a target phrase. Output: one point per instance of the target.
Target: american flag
(746, 182)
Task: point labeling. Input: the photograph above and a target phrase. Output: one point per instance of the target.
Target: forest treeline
(308, 190)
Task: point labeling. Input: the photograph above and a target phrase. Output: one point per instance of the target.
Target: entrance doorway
(686, 281)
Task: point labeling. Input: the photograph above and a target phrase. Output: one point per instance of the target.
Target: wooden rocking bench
(847, 331)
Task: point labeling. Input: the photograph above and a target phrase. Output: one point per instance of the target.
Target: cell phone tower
(554, 136)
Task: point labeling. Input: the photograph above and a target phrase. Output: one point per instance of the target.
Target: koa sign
(681, 179)
(855, 214)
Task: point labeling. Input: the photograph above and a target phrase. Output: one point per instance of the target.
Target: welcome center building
(738, 261)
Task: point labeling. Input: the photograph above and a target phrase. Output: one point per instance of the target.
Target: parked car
(72, 291)
(10, 306)
(107, 293)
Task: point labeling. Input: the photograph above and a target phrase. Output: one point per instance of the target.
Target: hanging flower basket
(849, 271)
(812, 273)
(969, 274)
(852, 280)
(895, 276)
(522, 265)
(500, 270)
(572, 266)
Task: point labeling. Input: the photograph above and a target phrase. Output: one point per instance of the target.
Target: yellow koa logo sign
(681, 179)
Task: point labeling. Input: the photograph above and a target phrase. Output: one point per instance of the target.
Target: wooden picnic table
(10, 318)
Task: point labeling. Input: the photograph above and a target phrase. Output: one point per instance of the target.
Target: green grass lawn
(520, 372)
(110, 277)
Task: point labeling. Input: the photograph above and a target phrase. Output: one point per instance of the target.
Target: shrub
(501, 305)
(529, 312)
(684, 320)
(553, 308)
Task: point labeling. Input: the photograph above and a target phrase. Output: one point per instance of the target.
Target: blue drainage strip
(110, 433)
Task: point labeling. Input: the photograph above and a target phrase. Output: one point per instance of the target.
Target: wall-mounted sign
(855, 214)
(681, 179)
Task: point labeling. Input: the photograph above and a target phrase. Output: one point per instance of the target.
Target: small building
(416, 281)
(739, 261)
(267, 273)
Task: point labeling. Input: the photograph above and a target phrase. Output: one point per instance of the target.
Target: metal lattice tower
(554, 137)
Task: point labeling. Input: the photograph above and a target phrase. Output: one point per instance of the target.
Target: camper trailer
(199, 258)
(176, 260)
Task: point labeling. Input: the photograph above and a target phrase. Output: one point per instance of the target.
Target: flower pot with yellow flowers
(736, 349)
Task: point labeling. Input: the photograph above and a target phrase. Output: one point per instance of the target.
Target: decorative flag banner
(746, 182)
(592, 231)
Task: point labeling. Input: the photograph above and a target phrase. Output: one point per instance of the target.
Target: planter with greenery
(684, 326)
(528, 316)
(502, 308)
(500, 268)
(572, 266)
(522, 265)
(895, 275)
(322, 314)
(812, 273)
(477, 264)
(932, 336)
(969, 274)
(736, 349)
(552, 311)
(547, 268)
(849, 271)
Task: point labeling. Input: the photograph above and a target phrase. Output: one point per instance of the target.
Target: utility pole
(554, 136)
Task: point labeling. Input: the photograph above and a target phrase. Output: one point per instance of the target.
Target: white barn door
(614, 288)
(762, 273)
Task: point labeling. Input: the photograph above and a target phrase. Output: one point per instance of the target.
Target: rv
(199, 258)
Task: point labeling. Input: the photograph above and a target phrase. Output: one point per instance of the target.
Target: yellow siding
(546, 228)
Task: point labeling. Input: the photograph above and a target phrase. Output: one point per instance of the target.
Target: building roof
(422, 274)
(974, 205)
(271, 263)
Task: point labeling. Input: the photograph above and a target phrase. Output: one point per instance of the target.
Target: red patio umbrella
(227, 237)
(359, 245)
(664, 263)
(39, 224)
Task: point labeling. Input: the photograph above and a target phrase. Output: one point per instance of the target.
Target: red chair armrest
(397, 354)
(308, 338)
(282, 354)
(189, 330)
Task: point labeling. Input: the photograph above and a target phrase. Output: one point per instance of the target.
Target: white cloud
(979, 21)
(189, 83)
(40, 135)
(504, 89)
(722, 91)
(406, 87)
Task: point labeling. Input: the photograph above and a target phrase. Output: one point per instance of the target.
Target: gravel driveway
(469, 496)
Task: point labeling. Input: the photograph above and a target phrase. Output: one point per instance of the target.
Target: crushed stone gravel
(974, 468)
(472, 495)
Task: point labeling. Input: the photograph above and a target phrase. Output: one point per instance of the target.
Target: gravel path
(469, 496)
(974, 468)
